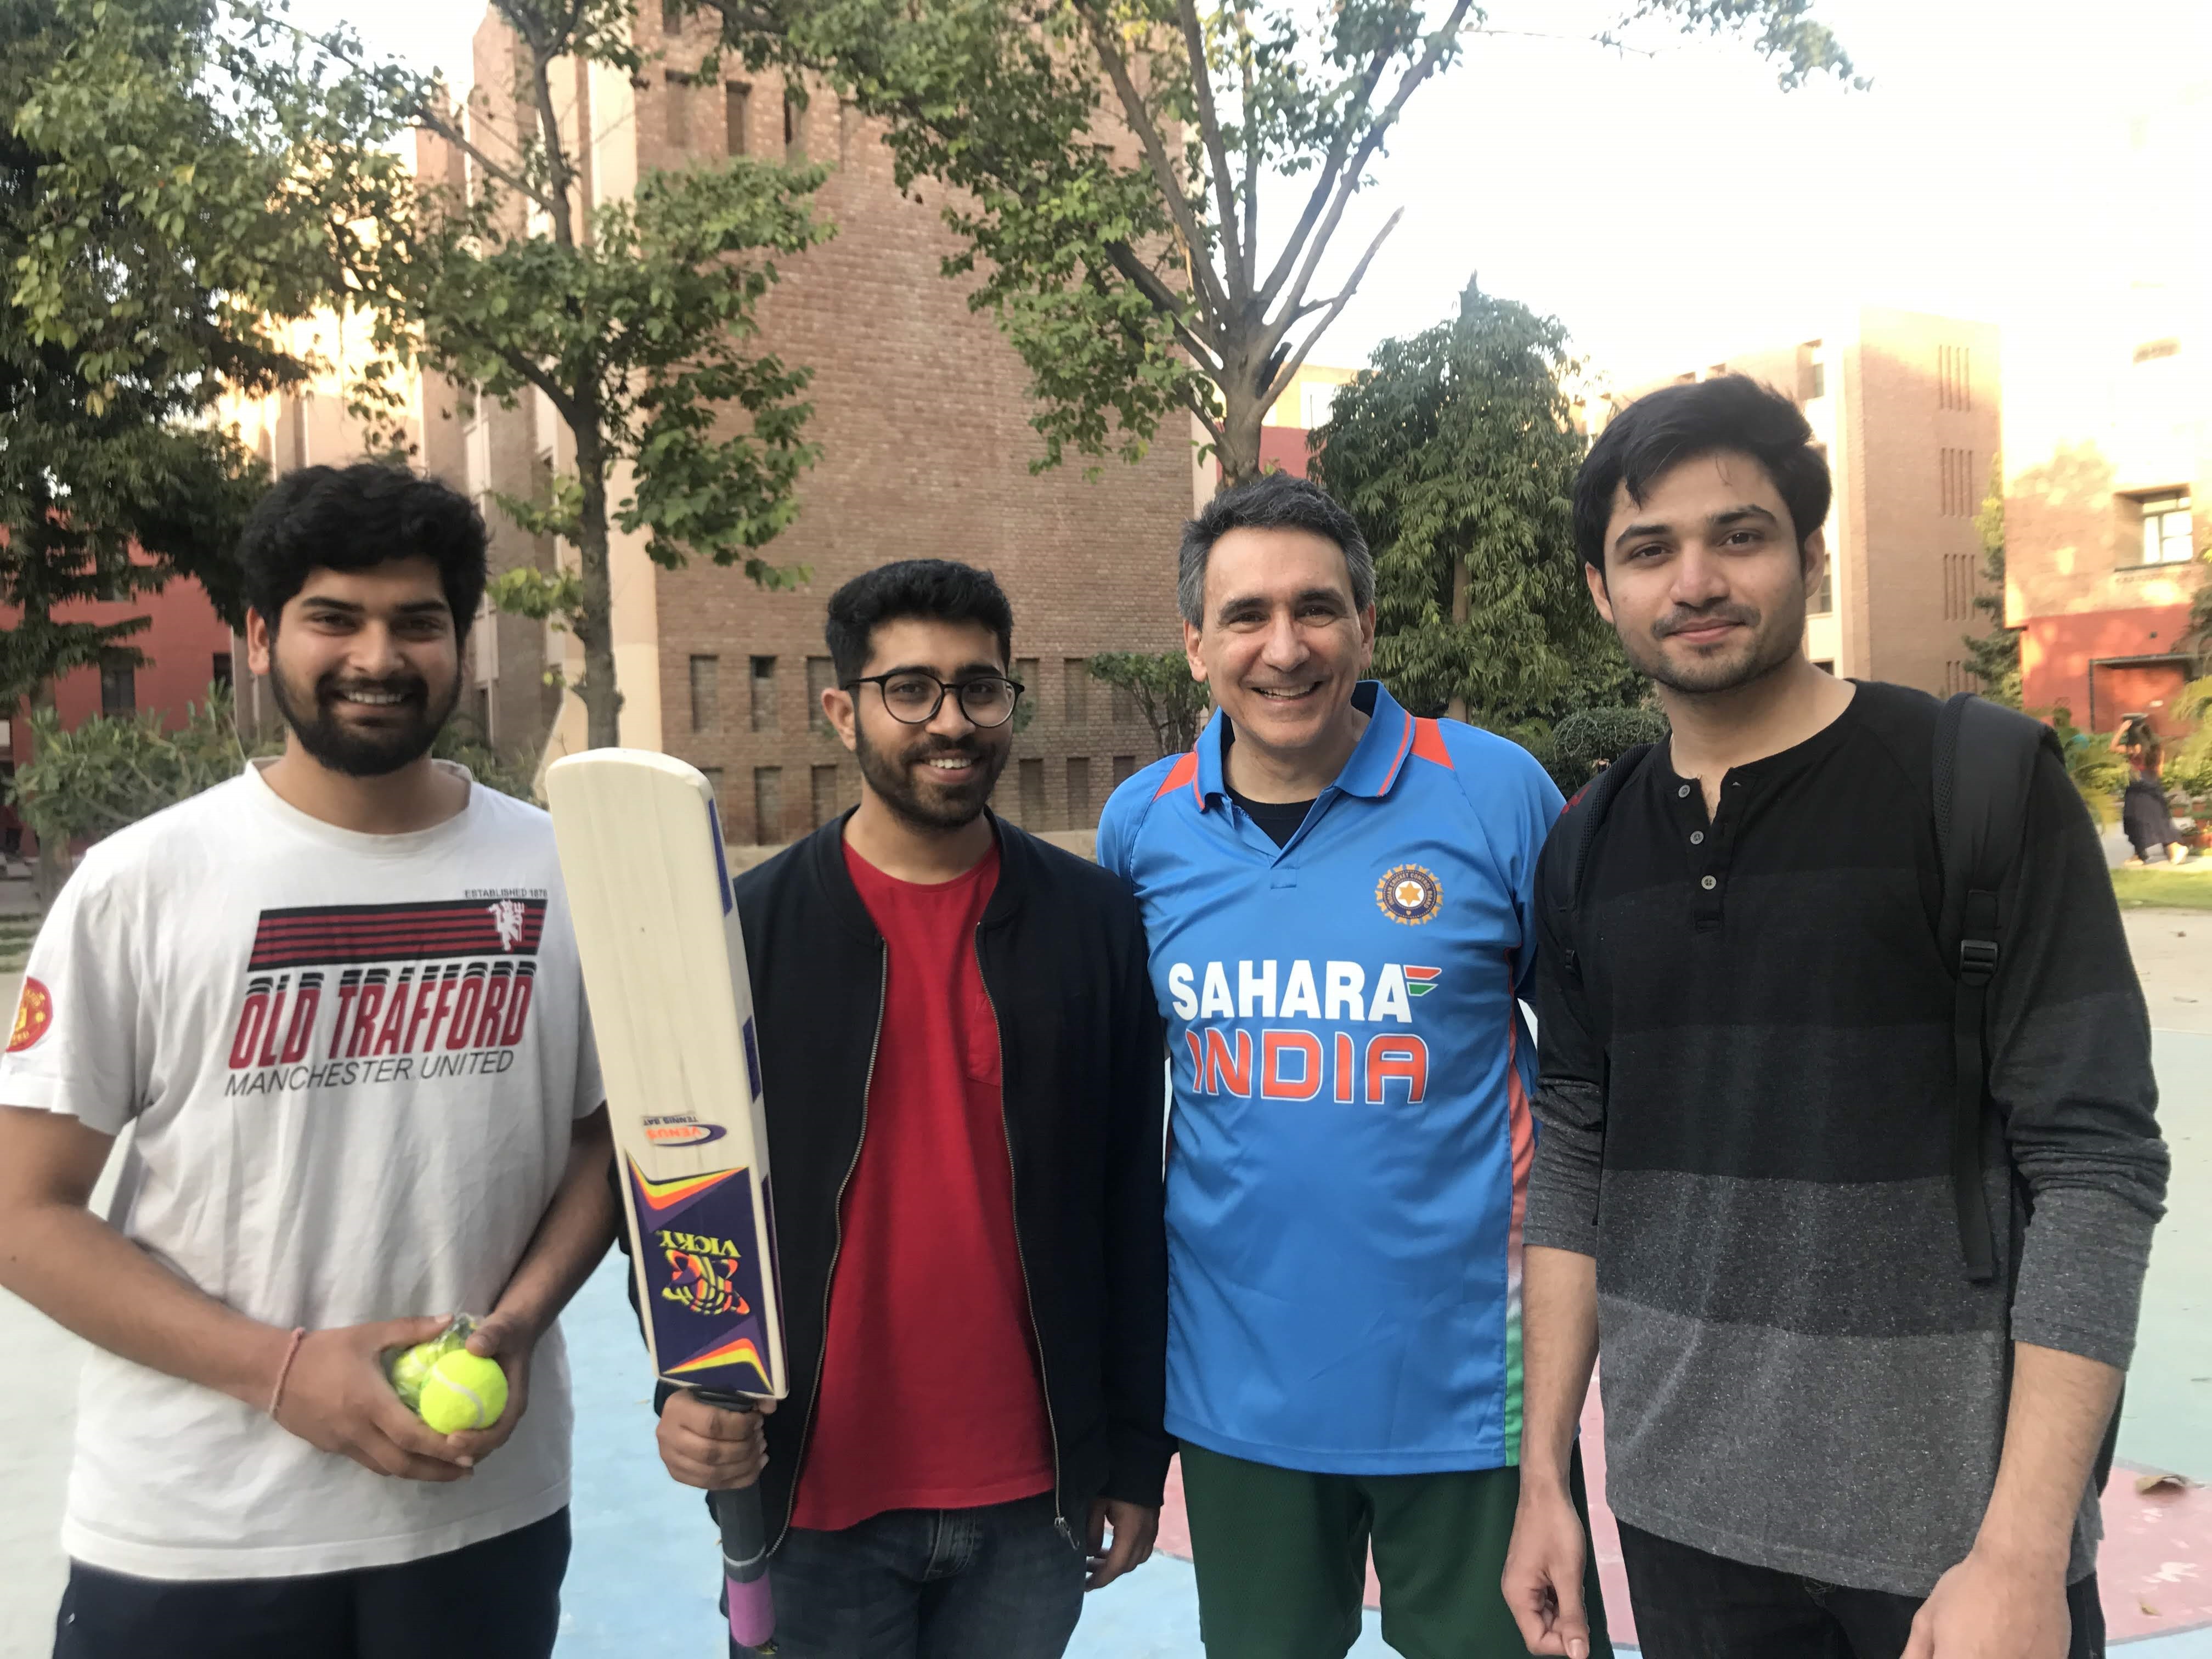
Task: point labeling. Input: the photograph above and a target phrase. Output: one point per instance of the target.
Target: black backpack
(1984, 761)
(1984, 758)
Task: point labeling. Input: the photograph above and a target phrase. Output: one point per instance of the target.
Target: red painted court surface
(2155, 1567)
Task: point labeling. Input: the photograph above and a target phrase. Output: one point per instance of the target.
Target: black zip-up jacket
(1081, 1052)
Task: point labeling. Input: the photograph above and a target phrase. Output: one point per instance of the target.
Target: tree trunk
(1238, 451)
(601, 697)
(53, 854)
(1455, 706)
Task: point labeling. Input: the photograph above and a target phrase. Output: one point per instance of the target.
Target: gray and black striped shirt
(1744, 1118)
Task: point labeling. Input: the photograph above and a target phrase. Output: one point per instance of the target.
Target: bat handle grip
(744, 1550)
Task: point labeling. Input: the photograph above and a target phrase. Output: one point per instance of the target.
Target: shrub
(1585, 737)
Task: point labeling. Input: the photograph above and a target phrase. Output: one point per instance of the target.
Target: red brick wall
(181, 644)
(921, 410)
(2056, 653)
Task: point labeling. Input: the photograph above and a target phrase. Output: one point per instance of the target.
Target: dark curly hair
(354, 518)
(939, 589)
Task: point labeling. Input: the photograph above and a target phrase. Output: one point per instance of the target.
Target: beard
(928, 805)
(355, 752)
(1771, 642)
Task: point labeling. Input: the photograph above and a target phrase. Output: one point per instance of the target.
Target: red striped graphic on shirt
(339, 933)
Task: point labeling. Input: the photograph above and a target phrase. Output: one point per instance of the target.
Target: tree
(631, 319)
(1456, 453)
(148, 233)
(1107, 159)
(1993, 658)
(1172, 702)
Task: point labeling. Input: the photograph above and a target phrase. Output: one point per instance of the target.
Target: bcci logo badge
(1409, 894)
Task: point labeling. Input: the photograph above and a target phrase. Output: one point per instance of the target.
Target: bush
(1585, 737)
(2098, 772)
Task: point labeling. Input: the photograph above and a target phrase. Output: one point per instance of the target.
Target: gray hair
(1274, 500)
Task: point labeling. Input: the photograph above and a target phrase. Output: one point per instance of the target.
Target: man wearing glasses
(963, 1072)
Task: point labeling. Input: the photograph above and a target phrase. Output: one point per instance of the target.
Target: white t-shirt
(353, 1061)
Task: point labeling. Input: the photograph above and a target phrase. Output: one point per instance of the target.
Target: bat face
(665, 969)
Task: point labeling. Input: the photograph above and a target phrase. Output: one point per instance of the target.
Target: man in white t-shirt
(336, 1003)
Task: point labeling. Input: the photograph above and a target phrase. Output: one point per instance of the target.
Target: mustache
(934, 749)
(1675, 621)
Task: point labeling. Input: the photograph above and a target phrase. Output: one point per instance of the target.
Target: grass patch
(2171, 890)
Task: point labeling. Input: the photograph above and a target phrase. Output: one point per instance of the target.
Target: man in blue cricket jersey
(1338, 903)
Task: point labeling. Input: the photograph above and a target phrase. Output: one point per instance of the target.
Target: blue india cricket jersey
(1351, 1136)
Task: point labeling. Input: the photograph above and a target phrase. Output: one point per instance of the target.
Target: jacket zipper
(1021, 1258)
(837, 1238)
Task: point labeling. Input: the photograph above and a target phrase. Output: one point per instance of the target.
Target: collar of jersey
(1374, 762)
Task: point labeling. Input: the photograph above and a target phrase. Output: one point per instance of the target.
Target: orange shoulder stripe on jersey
(1184, 769)
(1429, 743)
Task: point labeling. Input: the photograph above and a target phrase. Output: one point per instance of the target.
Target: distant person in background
(2144, 813)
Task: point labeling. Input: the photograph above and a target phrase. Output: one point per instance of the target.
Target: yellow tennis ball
(463, 1391)
(410, 1369)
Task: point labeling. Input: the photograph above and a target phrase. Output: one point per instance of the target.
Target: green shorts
(1282, 1559)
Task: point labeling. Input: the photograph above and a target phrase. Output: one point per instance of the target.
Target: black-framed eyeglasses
(915, 697)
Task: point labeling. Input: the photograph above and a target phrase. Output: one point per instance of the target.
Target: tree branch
(1204, 282)
(1235, 258)
(1347, 183)
(1251, 159)
(1325, 177)
(1295, 361)
(1166, 301)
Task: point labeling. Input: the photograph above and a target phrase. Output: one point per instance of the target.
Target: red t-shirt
(930, 1393)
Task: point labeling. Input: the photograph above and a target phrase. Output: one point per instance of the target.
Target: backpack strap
(1984, 761)
(1579, 822)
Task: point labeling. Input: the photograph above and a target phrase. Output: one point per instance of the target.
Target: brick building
(921, 411)
(1906, 407)
(2109, 449)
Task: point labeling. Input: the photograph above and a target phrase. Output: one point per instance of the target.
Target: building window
(1078, 793)
(705, 693)
(119, 683)
(1957, 586)
(821, 676)
(2166, 534)
(1954, 378)
(1076, 672)
(1032, 777)
(1955, 483)
(767, 803)
(1816, 370)
(714, 776)
(763, 693)
(1126, 711)
(676, 88)
(822, 780)
(671, 17)
(220, 674)
(737, 115)
(1125, 767)
(1824, 602)
(794, 126)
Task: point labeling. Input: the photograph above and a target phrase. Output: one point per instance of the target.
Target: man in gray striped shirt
(1824, 1439)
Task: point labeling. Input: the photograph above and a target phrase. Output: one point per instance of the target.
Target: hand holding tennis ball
(450, 1389)
(463, 1391)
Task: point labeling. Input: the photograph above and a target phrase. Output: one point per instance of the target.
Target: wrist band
(291, 1352)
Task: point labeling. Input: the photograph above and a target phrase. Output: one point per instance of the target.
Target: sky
(1671, 205)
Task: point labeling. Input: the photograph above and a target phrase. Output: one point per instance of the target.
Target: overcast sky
(1673, 207)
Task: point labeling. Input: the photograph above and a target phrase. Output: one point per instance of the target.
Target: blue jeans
(996, 1582)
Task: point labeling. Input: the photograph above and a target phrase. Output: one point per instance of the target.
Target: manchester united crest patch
(1409, 893)
(34, 1013)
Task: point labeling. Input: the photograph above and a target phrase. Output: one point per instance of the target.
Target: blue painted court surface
(642, 1579)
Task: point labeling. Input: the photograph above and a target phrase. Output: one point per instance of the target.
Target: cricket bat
(648, 886)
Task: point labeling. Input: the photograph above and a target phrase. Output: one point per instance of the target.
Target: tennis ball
(410, 1369)
(463, 1391)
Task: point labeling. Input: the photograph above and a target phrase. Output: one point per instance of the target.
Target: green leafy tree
(1993, 658)
(149, 232)
(633, 321)
(1457, 453)
(109, 772)
(1107, 159)
(1173, 704)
